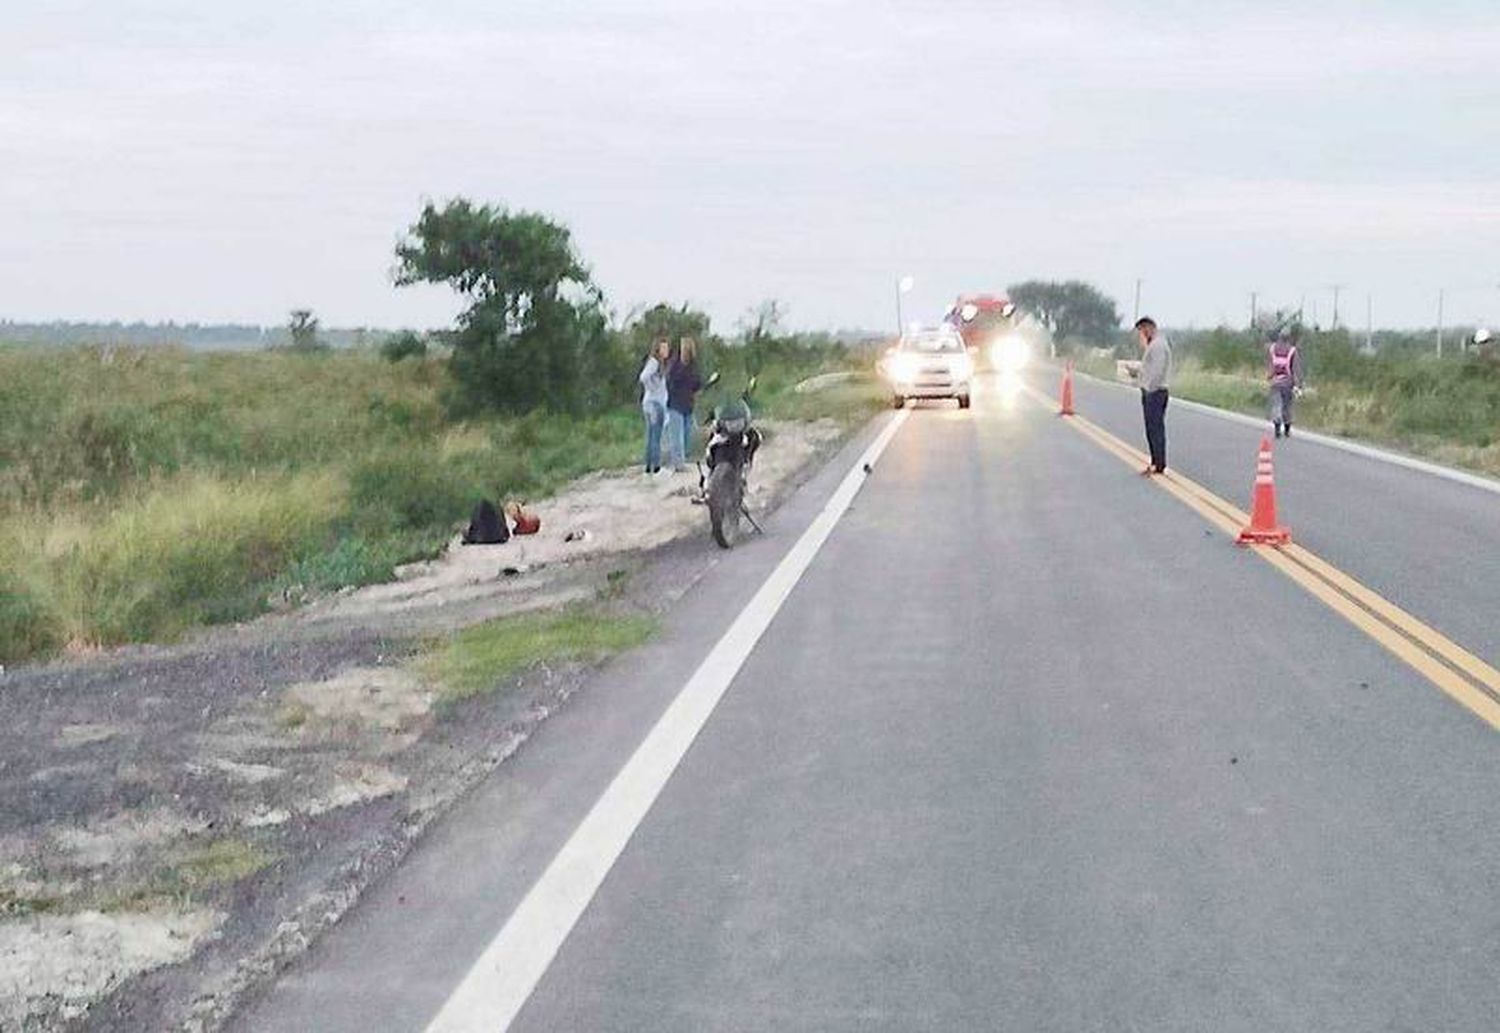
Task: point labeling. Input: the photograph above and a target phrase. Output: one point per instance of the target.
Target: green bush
(352, 560)
(1226, 351)
(404, 345)
(409, 490)
(1399, 397)
(1333, 355)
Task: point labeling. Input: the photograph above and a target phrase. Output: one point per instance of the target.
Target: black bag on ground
(485, 526)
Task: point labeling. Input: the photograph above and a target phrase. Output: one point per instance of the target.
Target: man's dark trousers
(1154, 406)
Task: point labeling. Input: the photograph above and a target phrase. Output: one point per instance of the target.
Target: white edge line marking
(1473, 480)
(499, 983)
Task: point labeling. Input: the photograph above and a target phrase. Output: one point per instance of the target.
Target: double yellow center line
(1459, 673)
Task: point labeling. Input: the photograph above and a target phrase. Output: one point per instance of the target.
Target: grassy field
(1448, 411)
(146, 492)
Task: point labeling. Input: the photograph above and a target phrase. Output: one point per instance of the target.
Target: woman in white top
(653, 380)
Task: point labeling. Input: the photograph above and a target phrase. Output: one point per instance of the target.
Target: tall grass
(193, 550)
(1448, 409)
(144, 492)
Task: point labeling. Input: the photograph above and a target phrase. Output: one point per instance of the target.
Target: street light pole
(1137, 300)
(1336, 288)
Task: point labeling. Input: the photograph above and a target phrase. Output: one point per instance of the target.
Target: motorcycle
(732, 444)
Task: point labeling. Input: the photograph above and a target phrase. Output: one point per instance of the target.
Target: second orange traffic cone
(1263, 528)
(1066, 407)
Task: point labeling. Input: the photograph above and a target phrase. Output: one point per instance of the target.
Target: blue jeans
(655, 414)
(679, 427)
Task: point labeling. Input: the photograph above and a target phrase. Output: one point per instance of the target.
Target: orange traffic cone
(1066, 408)
(1263, 528)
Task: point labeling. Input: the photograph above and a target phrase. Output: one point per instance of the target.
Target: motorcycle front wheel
(723, 493)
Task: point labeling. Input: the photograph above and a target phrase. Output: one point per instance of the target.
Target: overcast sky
(232, 160)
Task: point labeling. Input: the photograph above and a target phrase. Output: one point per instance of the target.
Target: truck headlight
(1010, 354)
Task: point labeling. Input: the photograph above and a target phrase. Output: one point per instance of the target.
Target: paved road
(1029, 746)
(1430, 545)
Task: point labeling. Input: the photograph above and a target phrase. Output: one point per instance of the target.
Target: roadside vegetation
(143, 493)
(147, 491)
(1391, 390)
(1402, 396)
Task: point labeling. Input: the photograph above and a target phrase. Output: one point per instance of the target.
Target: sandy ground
(57, 964)
(611, 512)
(127, 785)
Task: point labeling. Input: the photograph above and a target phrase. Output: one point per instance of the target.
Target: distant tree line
(204, 336)
(1080, 315)
(1342, 353)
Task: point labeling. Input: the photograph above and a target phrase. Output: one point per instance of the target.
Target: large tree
(1072, 310)
(534, 332)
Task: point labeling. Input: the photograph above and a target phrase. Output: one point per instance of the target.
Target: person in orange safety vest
(1285, 374)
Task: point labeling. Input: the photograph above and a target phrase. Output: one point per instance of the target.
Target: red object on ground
(522, 521)
(1263, 528)
(1066, 407)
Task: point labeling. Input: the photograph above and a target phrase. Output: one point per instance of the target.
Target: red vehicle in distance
(987, 324)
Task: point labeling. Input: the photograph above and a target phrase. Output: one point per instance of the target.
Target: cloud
(1299, 212)
(725, 151)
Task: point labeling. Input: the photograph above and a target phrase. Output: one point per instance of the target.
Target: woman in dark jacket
(683, 385)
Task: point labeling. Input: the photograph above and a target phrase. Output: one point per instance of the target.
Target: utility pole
(1137, 300)
(1336, 288)
(1369, 323)
(1440, 324)
(903, 285)
(1253, 313)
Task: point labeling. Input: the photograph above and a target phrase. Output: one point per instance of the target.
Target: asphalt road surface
(1028, 745)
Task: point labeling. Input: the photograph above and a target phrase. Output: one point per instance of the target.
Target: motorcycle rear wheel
(724, 501)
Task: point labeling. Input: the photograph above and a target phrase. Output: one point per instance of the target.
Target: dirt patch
(122, 838)
(247, 774)
(385, 699)
(605, 513)
(57, 964)
(353, 784)
(70, 736)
